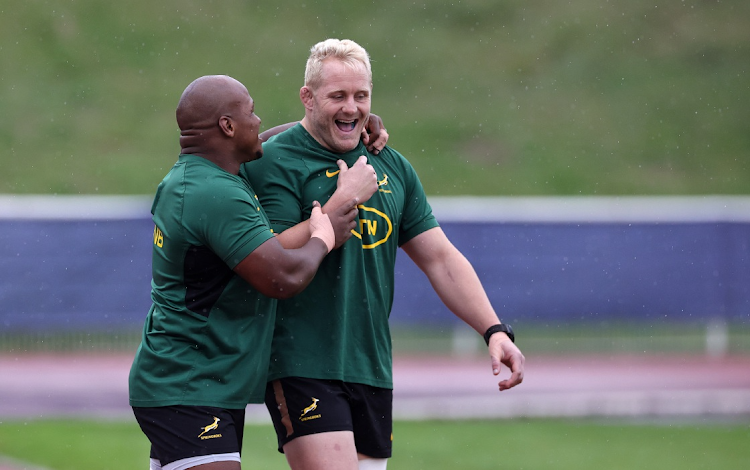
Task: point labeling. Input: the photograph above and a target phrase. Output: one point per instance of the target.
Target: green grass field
(430, 445)
(651, 338)
(484, 97)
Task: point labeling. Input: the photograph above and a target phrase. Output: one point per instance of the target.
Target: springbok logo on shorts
(304, 416)
(210, 427)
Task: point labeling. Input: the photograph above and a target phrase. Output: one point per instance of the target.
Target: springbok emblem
(383, 182)
(311, 407)
(210, 427)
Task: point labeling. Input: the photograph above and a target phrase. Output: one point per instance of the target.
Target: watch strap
(500, 327)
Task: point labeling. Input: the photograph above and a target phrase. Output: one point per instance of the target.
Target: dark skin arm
(374, 135)
(355, 185)
(268, 133)
(279, 273)
(343, 219)
(282, 273)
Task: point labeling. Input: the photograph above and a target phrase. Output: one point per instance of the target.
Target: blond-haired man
(330, 381)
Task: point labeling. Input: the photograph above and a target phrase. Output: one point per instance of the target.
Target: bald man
(217, 272)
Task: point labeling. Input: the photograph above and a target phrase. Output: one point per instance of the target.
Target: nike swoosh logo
(331, 174)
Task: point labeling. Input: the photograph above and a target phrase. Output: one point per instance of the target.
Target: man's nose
(350, 106)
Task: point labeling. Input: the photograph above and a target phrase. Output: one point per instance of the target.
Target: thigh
(333, 450)
(202, 434)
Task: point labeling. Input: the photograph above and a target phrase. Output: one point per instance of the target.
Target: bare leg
(324, 451)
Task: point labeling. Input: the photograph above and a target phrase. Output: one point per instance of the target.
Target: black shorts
(180, 432)
(300, 406)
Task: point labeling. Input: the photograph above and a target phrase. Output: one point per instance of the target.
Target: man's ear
(227, 126)
(306, 96)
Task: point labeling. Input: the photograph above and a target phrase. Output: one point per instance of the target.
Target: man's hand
(354, 185)
(374, 135)
(503, 351)
(344, 220)
(358, 182)
(322, 227)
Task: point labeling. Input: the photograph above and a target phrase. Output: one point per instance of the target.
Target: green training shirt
(207, 337)
(337, 328)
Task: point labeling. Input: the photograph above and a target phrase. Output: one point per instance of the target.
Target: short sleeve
(228, 219)
(417, 216)
(277, 182)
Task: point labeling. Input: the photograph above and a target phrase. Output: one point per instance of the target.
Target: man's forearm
(337, 200)
(295, 237)
(453, 278)
(460, 289)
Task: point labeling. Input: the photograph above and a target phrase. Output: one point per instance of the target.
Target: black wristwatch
(504, 327)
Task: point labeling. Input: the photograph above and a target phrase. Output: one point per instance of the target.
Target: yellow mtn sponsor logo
(375, 228)
(211, 427)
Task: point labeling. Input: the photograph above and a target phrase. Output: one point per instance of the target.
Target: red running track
(47, 386)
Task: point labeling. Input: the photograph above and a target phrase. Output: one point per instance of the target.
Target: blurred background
(588, 97)
(589, 157)
(585, 122)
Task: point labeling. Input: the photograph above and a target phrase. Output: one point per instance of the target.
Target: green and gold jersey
(207, 338)
(337, 328)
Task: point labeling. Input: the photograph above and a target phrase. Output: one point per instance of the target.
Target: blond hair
(345, 50)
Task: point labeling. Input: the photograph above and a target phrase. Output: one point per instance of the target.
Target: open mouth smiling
(346, 126)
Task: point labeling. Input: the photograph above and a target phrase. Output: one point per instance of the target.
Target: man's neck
(224, 162)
